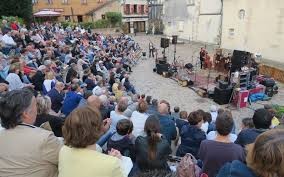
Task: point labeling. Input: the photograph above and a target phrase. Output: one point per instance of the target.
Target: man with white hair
(105, 108)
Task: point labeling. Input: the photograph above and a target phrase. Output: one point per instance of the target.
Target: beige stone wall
(78, 7)
(112, 7)
(259, 30)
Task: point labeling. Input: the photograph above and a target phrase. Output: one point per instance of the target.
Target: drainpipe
(221, 25)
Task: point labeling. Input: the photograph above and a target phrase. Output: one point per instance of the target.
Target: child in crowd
(182, 120)
(175, 114)
(247, 123)
(122, 140)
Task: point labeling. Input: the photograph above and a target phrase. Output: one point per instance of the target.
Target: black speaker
(223, 84)
(162, 68)
(165, 42)
(222, 96)
(175, 39)
(239, 60)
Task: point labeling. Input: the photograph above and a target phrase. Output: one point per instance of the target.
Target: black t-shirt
(215, 154)
(142, 157)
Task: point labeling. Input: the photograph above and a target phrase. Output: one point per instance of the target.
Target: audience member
(168, 128)
(214, 154)
(191, 135)
(122, 139)
(139, 118)
(44, 116)
(175, 114)
(79, 155)
(264, 158)
(152, 148)
(57, 95)
(182, 120)
(72, 99)
(25, 150)
(262, 122)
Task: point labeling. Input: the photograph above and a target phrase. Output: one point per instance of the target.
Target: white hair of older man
(104, 99)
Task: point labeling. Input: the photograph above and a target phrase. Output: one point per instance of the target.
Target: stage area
(150, 83)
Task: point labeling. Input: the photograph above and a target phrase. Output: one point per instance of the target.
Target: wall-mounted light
(242, 14)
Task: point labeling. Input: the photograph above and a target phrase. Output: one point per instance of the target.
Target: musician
(151, 50)
(202, 54)
(207, 61)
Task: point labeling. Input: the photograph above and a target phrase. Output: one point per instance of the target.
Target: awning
(47, 13)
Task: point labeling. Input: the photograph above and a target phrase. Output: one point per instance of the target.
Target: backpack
(187, 167)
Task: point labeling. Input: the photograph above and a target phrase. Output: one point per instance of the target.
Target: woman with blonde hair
(265, 158)
(44, 117)
(80, 155)
(49, 82)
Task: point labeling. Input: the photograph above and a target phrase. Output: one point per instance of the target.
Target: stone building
(78, 10)
(135, 15)
(255, 26)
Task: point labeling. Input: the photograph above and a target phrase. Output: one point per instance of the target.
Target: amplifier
(222, 96)
(223, 84)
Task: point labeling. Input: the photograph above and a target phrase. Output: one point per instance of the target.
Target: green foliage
(12, 18)
(279, 110)
(102, 23)
(19, 8)
(115, 18)
(87, 25)
(65, 24)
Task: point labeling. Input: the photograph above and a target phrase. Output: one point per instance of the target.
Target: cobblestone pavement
(150, 83)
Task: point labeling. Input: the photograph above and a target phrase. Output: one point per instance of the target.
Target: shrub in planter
(103, 23)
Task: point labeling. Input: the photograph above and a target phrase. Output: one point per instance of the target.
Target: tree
(20, 8)
(114, 18)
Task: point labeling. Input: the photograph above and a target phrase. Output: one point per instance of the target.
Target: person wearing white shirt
(214, 113)
(213, 134)
(8, 40)
(139, 118)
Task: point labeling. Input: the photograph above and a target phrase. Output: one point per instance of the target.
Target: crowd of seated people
(68, 108)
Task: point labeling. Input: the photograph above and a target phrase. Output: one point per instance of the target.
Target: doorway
(139, 26)
(80, 18)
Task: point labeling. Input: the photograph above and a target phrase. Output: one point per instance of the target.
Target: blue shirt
(56, 99)
(168, 128)
(71, 102)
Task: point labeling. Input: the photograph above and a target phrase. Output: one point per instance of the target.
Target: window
(103, 16)
(135, 9)
(231, 32)
(65, 1)
(67, 18)
(142, 9)
(83, 1)
(127, 9)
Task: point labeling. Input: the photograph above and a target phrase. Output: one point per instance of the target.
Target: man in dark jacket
(168, 128)
(72, 100)
(38, 78)
(56, 96)
(262, 121)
